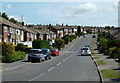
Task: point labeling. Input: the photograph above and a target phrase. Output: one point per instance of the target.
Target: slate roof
(7, 22)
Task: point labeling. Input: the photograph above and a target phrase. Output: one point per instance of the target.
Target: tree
(4, 15)
(59, 43)
(78, 29)
(89, 31)
(103, 44)
(13, 20)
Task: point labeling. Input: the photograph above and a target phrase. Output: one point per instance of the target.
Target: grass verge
(109, 73)
(100, 62)
(96, 58)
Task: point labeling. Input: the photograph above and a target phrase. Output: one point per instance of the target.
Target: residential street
(69, 66)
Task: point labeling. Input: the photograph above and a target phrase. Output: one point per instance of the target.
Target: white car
(85, 51)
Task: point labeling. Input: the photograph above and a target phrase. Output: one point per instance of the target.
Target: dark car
(47, 53)
(93, 36)
(55, 52)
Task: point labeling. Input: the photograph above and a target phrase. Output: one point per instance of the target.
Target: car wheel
(58, 55)
(40, 60)
(29, 59)
(46, 58)
(49, 57)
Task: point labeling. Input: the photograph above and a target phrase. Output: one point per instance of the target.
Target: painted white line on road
(14, 67)
(51, 68)
(37, 77)
(64, 60)
(59, 63)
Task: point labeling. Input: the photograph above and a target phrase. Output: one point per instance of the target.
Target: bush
(39, 44)
(20, 47)
(66, 39)
(27, 49)
(103, 44)
(7, 48)
(13, 57)
(59, 43)
(79, 34)
(112, 52)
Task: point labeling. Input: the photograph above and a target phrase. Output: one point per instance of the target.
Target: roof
(7, 22)
(42, 31)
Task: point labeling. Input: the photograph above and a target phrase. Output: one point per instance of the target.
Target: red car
(55, 52)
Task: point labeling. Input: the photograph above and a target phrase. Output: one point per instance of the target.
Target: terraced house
(11, 33)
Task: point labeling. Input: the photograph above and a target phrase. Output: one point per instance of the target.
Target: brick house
(11, 33)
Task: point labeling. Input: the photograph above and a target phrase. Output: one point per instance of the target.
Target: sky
(71, 13)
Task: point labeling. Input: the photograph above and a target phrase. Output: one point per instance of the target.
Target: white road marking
(14, 67)
(64, 60)
(37, 77)
(51, 68)
(59, 63)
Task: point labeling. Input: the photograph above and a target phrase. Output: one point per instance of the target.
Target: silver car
(36, 55)
(85, 51)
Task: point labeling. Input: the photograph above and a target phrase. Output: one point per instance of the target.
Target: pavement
(69, 66)
(110, 64)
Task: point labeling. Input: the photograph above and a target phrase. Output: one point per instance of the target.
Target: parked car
(36, 55)
(55, 52)
(47, 53)
(93, 36)
(85, 51)
(87, 46)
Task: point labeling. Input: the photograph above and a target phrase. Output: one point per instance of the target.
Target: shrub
(13, 57)
(112, 52)
(7, 48)
(38, 44)
(59, 43)
(103, 44)
(67, 39)
(27, 49)
(79, 34)
(20, 47)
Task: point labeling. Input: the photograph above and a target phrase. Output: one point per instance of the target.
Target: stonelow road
(69, 66)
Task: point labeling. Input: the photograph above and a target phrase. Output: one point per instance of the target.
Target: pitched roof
(7, 22)
(42, 31)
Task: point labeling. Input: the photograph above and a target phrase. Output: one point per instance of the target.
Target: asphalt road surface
(69, 66)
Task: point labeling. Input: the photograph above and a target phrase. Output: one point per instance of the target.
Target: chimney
(22, 23)
(62, 24)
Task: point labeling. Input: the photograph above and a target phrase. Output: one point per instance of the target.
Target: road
(69, 66)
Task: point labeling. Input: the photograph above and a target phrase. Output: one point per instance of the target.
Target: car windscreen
(44, 51)
(53, 50)
(35, 51)
(84, 49)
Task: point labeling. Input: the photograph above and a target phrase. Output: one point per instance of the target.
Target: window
(17, 31)
(5, 29)
(12, 30)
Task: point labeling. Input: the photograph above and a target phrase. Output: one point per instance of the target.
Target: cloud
(16, 18)
(82, 9)
(9, 6)
(114, 7)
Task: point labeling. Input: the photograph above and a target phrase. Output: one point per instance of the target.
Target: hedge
(20, 47)
(39, 44)
(13, 57)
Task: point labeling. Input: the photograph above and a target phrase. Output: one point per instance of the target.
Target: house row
(14, 33)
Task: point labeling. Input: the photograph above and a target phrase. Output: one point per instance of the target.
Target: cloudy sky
(72, 13)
